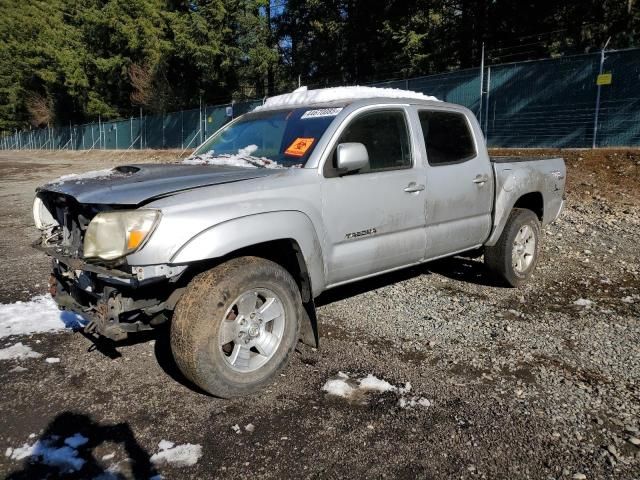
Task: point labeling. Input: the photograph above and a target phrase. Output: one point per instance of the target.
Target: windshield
(270, 139)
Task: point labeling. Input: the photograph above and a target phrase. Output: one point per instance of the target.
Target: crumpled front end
(116, 298)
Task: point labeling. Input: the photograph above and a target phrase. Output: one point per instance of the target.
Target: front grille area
(73, 220)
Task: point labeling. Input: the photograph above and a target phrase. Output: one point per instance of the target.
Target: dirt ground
(521, 383)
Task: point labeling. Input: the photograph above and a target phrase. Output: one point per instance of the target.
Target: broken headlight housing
(112, 235)
(41, 216)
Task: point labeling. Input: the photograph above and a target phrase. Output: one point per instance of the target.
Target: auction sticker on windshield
(321, 112)
(299, 147)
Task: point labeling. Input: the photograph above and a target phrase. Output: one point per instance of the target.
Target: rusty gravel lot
(523, 383)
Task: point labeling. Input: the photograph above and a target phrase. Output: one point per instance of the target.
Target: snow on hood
(241, 159)
(303, 96)
(85, 176)
(133, 184)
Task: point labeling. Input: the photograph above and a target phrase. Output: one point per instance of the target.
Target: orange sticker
(299, 147)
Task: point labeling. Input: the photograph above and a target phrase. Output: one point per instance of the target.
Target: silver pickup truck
(281, 204)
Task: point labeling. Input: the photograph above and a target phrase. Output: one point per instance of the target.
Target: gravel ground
(536, 382)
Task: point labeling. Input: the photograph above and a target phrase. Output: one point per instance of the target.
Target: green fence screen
(542, 103)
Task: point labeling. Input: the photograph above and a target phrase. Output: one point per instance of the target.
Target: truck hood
(135, 184)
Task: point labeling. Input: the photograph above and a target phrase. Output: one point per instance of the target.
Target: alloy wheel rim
(524, 249)
(252, 329)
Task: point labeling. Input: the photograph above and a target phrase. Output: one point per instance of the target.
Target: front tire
(515, 255)
(236, 326)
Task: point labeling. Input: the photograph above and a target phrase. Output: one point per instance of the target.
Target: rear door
(459, 182)
(375, 218)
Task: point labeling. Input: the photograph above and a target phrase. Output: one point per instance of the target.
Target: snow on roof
(303, 96)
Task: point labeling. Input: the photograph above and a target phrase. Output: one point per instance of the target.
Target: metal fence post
(140, 128)
(597, 111)
(200, 119)
(486, 111)
(481, 83)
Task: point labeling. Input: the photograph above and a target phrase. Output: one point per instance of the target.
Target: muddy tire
(236, 326)
(514, 257)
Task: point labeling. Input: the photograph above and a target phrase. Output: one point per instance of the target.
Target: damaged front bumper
(118, 300)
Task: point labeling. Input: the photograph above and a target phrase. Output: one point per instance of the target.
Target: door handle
(414, 188)
(481, 179)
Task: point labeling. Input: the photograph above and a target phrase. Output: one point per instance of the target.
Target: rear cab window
(385, 134)
(447, 136)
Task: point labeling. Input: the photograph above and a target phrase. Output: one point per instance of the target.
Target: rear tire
(514, 257)
(236, 326)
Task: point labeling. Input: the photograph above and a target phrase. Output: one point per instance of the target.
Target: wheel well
(532, 201)
(287, 253)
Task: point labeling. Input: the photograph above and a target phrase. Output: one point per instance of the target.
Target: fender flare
(226, 237)
(507, 202)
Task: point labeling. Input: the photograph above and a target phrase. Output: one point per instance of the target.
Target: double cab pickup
(301, 195)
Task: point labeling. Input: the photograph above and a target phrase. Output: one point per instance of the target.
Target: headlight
(115, 234)
(41, 216)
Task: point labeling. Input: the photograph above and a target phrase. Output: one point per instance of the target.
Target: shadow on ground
(468, 270)
(462, 269)
(162, 351)
(67, 449)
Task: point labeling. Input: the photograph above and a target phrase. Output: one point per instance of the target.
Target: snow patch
(40, 314)
(243, 158)
(247, 151)
(18, 352)
(19, 453)
(166, 445)
(52, 360)
(76, 440)
(178, 456)
(84, 176)
(18, 369)
(303, 96)
(583, 302)
(359, 390)
(45, 451)
(374, 384)
(413, 401)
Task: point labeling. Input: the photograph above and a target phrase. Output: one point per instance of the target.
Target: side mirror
(351, 157)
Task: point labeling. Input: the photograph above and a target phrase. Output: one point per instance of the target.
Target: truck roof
(341, 96)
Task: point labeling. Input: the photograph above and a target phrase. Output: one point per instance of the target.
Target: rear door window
(447, 137)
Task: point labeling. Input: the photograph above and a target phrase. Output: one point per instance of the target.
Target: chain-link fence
(590, 100)
(548, 103)
(185, 129)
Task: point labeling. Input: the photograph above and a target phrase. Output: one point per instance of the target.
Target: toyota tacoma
(312, 190)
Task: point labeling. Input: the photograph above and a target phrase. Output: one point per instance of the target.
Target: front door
(375, 218)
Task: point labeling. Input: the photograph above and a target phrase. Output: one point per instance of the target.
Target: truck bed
(516, 177)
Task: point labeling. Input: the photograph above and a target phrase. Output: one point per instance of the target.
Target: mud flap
(309, 329)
